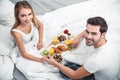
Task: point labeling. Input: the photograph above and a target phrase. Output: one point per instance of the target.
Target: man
(103, 62)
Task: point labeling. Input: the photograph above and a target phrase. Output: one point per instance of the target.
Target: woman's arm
(20, 44)
(40, 32)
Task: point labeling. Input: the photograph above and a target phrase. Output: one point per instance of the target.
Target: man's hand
(79, 38)
(76, 43)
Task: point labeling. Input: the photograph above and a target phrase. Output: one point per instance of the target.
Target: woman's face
(25, 16)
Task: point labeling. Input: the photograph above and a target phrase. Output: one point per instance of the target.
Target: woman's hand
(50, 60)
(39, 45)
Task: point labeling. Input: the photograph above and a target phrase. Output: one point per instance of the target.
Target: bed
(71, 16)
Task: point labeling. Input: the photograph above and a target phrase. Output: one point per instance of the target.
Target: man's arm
(79, 73)
(78, 39)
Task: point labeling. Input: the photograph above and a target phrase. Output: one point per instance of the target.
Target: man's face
(93, 35)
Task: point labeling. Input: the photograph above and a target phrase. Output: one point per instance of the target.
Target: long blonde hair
(19, 5)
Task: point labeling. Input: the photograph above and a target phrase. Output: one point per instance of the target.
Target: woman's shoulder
(16, 35)
(15, 29)
(16, 32)
(37, 23)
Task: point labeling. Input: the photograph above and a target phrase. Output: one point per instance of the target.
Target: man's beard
(89, 42)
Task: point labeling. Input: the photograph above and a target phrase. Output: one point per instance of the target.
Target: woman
(24, 28)
(29, 61)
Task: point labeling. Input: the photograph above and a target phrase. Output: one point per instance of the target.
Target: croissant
(62, 48)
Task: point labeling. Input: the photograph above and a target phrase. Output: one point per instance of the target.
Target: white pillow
(6, 13)
(6, 68)
(6, 40)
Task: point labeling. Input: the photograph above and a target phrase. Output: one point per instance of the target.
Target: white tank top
(26, 37)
